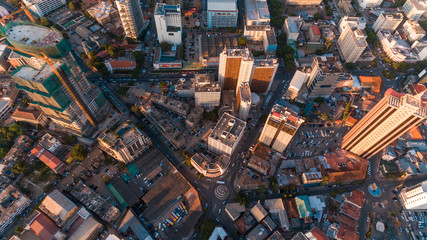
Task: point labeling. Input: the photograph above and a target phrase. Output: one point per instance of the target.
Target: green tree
(14, 2)
(79, 152)
(207, 228)
(165, 46)
(75, 5)
(162, 84)
(20, 167)
(243, 41)
(45, 22)
(242, 198)
(25, 102)
(350, 66)
(317, 16)
(136, 111)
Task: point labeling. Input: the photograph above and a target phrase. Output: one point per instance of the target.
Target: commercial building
(44, 228)
(125, 143)
(33, 116)
(170, 104)
(226, 135)
(296, 84)
(369, 3)
(414, 197)
(115, 65)
(347, 7)
(222, 13)
(210, 167)
(207, 93)
(44, 7)
(292, 26)
(58, 208)
(4, 107)
(168, 59)
(352, 42)
(263, 72)
(413, 30)
(235, 67)
(4, 55)
(16, 60)
(168, 23)
(395, 47)
(359, 21)
(12, 204)
(387, 22)
(49, 159)
(326, 73)
(243, 97)
(211, 47)
(131, 17)
(303, 2)
(314, 33)
(414, 9)
(257, 20)
(103, 12)
(73, 103)
(394, 115)
(279, 129)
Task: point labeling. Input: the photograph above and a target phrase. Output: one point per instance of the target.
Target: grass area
(122, 91)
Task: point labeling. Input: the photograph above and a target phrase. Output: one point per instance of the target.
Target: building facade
(394, 115)
(44, 7)
(222, 13)
(263, 73)
(168, 23)
(352, 42)
(207, 93)
(235, 67)
(296, 84)
(226, 135)
(257, 20)
(387, 22)
(414, 9)
(413, 30)
(131, 17)
(414, 197)
(280, 127)
(243, 97)
(369, 3)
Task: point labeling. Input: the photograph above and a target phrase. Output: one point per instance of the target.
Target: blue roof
(308, 108)
(303, 205)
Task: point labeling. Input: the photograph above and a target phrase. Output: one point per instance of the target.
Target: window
(325, 86)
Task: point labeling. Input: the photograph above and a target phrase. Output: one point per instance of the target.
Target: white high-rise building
(414, 9)
(414, 197)
(359, 21)
(280, 128)
(387, 22)
(369, 3)
(413, 30)
(168, 23)
(391, 117)
(44, 7)
(235, 67)
(222, 13)
(131, 17)
(243, 97)
(226, 135)
(352, 42)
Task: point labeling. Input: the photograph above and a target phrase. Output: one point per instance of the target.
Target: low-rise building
(43, 8)
(118, 65)
(33, 116)
(194, 117)
(314, 33)
(207, 93)
(50, 143)
(222, 13)
(226, 135)
(311, 178)
(296, 84)
(125, 143)
(49, 159)
(12, 204)
(170, 104)
(414, 197)
(168, 59)
(395, 47)
(103, 12)
(303, 2)
(369, 3)
(4, 107)
(58, 208)
(44, 228)
(413, 30)
(210, 167)
(292, 26)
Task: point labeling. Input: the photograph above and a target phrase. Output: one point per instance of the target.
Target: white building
(414, 197)
(387, 22)
(168, 23)
(257, 20)
(44, 7)
(243, 97)
(414, 9)
(3, 12)
(4, 107)
(235, 67)
(131, 17)
(292, 26)
(222, 13)
(413, 30)
(207, 93)
(296, 83)
(352, 42)
(226, 135)
(369, 3)
(359, 21)
(396, 48)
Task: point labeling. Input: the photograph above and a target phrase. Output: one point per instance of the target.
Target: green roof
(117, 195)
(303, 205)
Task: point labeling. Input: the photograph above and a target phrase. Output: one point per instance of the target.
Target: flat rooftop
(163, 9)
(32, 74)
(213, 46)
(257, 10)
(222, 5)
(245, 92)
(33, 35)
(329, 64)
(228, 129)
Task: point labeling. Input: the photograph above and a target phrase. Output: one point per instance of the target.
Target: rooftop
(228, 129)
(303, 205)
(164, 9)
(206, 83)
(298, 80)
(222, 5)
(245, 92)
(34, 35)
(57, 206)
(32, 74)
(43, 227)
(49, 159)
(279, 114)
(415, 26)
(374, 82)
(329, 64)
(257, 10)
(213, 46)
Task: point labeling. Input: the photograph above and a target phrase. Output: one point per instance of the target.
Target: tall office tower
(226, 135)
(352, 42)
(296, 84)
(168, 23)
(72, 103)
(387, 22)
(414, 197)
(131, 16)
(394, 115)
(303, 2)
(257, 20)
(326, 73)
(359, 21)
(263, 73)
(222, 13)
(235, 67)
(414, 9)
(44, 7)
(243, 97)
(413, 30)
(369, 3)
(280, 127)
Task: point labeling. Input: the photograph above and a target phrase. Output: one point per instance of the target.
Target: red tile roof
(26, 114)
(315, 30)
(392, 92)
(376, 83)
(118, 64)
(415, 134)
(357, 197)
(350, 210)
(48, 158)
(318, 234)
(348, 226)
(43, 227)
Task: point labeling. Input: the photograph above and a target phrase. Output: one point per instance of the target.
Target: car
(219, 211)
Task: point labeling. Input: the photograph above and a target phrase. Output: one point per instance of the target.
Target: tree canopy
(79, 152)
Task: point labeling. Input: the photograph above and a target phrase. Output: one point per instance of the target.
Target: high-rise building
(226, 135)
(413, 30)
(296, 84)
(222, 13)
(131, 17)
(414, 197)
(168, 23)
(388, 22)
(280, 127)
(359, 21)
(303, 2)
(414, 9)
(369, 3)
(72, 103)
(263, 73)
(326, 73)
(243, 97)
(235, 67)
(44, 7)
(394, 115)
(257, 20)
(207, 93)
(352, 42)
